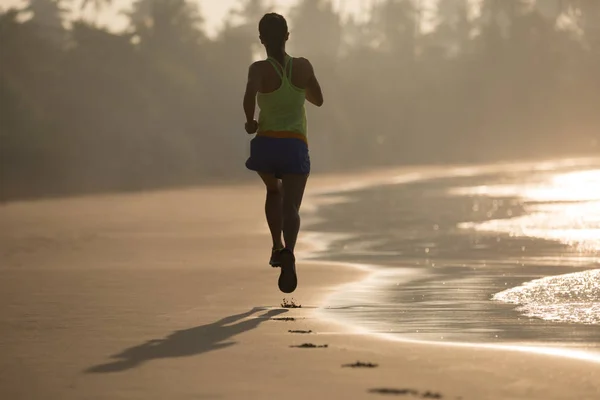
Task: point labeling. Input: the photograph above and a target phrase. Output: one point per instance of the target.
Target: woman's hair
(273, 31)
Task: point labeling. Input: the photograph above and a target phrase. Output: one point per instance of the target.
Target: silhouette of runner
(279, 152)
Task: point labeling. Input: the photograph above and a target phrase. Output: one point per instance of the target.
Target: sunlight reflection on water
(565, 208)
(568, 298)
(571, 186)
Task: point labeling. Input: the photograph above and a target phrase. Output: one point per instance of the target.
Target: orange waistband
(283, 135)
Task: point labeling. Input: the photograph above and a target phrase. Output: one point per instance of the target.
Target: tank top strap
(275, 65)
(289, 73)
(281, 70)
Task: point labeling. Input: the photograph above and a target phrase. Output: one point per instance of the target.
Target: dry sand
(168, 295)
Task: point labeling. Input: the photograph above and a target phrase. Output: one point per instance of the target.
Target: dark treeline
(83, 109)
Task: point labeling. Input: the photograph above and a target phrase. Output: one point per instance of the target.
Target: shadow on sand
(188, 342)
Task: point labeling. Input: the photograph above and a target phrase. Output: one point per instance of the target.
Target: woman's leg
(273, 207)
(293, 191)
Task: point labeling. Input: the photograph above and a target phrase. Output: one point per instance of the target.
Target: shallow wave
(567, 298)
(548, 187)
(563, 207)
(574, 224)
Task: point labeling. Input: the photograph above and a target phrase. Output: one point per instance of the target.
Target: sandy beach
(168, 295)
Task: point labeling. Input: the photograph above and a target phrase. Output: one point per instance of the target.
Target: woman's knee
(291, 211)
(274, 190)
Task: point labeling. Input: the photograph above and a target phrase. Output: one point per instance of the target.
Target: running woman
(279, 151)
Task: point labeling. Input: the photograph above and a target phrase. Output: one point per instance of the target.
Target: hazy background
(93, 100)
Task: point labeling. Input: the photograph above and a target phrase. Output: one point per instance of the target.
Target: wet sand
(169, 295)
(436, 279)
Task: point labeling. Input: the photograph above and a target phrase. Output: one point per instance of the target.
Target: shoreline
(320, 242)
(530, 348)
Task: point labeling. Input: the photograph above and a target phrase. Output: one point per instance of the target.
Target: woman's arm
(314, 94)
(250, 98)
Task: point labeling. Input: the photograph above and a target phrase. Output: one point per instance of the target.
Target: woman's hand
(251, 127)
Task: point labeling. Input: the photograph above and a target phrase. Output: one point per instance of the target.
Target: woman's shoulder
(259, 64)
(302, 62)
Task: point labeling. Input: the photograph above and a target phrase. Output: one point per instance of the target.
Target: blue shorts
(278, 156)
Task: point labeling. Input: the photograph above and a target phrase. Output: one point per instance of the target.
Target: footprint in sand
(360, 364)
(311, 346)
(290, 304)
(407, 392)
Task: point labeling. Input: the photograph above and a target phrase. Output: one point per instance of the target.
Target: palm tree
(47, 13)
(48, 16)
(166, 24)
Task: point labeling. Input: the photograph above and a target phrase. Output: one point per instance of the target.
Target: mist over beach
(158, 103)
(450, 238)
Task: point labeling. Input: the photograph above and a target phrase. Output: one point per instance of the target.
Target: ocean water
(507, 254)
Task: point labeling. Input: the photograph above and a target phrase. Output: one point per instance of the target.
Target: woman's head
(273, 31)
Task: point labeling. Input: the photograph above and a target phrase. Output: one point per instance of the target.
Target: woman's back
(281, 96)
(301, 73)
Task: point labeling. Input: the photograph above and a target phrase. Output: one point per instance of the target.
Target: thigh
(271, 182)
(293, 189)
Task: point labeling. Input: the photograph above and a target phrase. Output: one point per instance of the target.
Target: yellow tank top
(282, 112)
